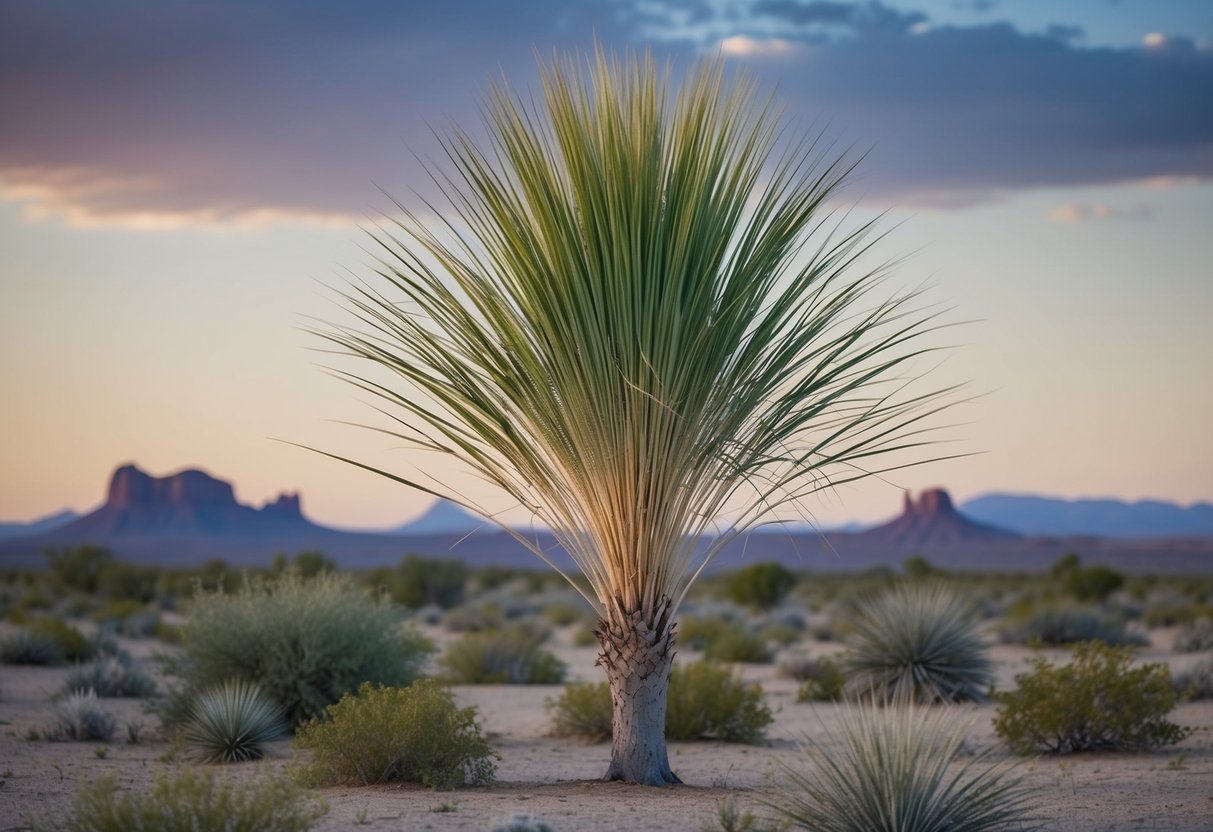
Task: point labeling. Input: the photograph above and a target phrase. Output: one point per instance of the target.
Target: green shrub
(1094, 703)
(307, 564)
(304, 641)
(824, 681)
(707, 701)
(1195, 636)
(510, 657)
(1069, 625)
(734, 644)
(1094, 583)
(722, 640)
(72, 643)
(582, 710)
(419, 581)
(30, 648)
(413, 734)
(109, 676)
(891, 770)
(192, 801)
(920, 641)
(79, 716)
(584, 636)
(77, 567)
(231, 723)
(760, 586)
(474, 618)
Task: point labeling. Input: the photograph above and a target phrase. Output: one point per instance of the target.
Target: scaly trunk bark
(637, 656)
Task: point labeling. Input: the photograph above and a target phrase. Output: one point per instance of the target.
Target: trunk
(637, 655)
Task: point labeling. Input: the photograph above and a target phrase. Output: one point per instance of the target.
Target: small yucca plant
(920, 642)
(899, 768)
(79, 716)
(232, 722)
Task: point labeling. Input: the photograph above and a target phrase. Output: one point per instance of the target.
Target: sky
(183, 184)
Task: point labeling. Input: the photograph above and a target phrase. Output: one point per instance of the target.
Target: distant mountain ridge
(38, 525)
(443, 517)
(1030, 514)
(189, 517)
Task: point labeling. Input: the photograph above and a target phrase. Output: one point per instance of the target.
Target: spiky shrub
(116, 675)
(918, 641)
(231, 723)
(710, 702)
(582, 710)
(510, 657)
(304, 641)
(79, 716)
(900, 769)
(638, 319)
(192, 801)
(413, 734)
(1096, 702)
(1057, 626)
(30, 647)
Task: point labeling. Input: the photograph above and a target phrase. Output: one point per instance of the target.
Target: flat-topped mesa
(130, 488)
(933, 502)
(931, 519)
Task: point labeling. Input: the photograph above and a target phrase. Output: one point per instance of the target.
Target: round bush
(1094, 703)
(917, 641)
(305, 642)
(512, 657)
(413, 734)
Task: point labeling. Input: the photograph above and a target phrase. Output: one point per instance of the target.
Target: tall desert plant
(637, 320)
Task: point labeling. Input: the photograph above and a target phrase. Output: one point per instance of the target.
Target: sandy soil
(554, 780)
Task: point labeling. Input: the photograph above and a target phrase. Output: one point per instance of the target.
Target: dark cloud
(223, 109)
(804, 13)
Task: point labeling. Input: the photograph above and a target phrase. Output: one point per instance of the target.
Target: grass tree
(636, 318)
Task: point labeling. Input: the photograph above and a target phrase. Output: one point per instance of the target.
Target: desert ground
(556, 780)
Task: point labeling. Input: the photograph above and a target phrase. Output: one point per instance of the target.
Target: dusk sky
(182, 182)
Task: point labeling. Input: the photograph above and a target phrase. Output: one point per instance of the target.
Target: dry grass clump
(116, 675)
(511, 657)
(190, 801)
(79, 716)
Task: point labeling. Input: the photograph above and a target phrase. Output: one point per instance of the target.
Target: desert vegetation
(1139, 709)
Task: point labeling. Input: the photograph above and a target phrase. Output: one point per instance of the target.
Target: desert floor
(554, 780)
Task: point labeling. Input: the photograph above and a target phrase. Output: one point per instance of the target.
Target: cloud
(139, 113)
(1078, 212)
(740, 45)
